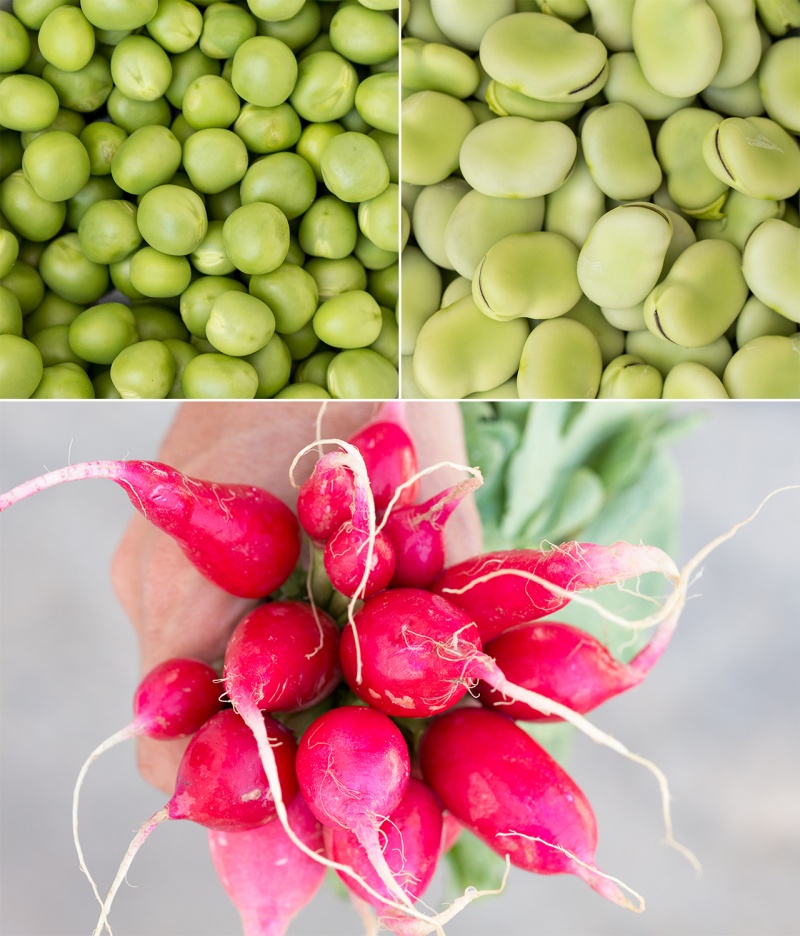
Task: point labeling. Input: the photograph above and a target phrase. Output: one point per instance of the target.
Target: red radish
(241, 537)
(499, 590)
(221, 784)
(325, 499)
(353, 769)
(566, 664)
(420, 654)
(345, 561)
(389, 454)
(266, 876)
(413, 837)
(172, 701)
(416, 532)
(281, 657)
(503, 786)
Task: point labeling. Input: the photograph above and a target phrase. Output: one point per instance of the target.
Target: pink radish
(325, 499)
(499, 590)
(420, 654)
(389, 454)
(353, 769)
(416, 531)
(412, 836)
(281, 657)
(221, 784)
(508, 791)
(241, 537)
(265, 875)
(566, 664)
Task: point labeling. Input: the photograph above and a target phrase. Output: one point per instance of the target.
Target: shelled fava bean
(199, 199)
(602, 198)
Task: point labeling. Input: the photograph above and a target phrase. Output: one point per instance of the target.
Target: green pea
(119, 14)
(312, 143)
(104, 388)
(52, 310)
(66, 120)
(172, 219)
(10, 153)
(239, 324)
(376, 102)
(57, 165)
(9, 251)
(362, 374)
(20, 367)
(84, 90)
(691, 381)
(209, 256)
(390, 147)
(66, 381)
(31, 216)
(10, 313)
(700, 297)
(100, 332)
(159, 275)
(387, 344)
(315, 369)
(622, 258)
(268, 129)
(765, 368)
(544, 57)
(334, 276)
(108, 231)
(143, 371)
(15, 46)
(290, 292)
(218, 376)
(273, 365)
(678, 45)
(210, 101)
(67, 270)
(26, 284)
(101, 140)
(328, 229)
(757, 319)
(459, 350)
(384, 285)
(371, 256)
(96, 189)
(285, 180)
(779, 73)
(264, 71)
(149, 157)
(325, 89)
(664, 355)
(527, 275)
(434, 127)
(176, 25)
(756, 156)
(186, 67)
(353, 167)
(349, 320)
(158, 322)
(513, 157)
(66, 39)
(214, 159)
(219, 205)
(226, 28)
(297, 31)
(770, 266)
(53, 344)
(256, 237)
(198, 299)
(27, 103)
(182, 352)
(303, 391)
(561, 359)
(120, 273)
(629, 378)
(363, 36)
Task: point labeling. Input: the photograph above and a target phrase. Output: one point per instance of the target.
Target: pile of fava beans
(603, 198)
(199, 199)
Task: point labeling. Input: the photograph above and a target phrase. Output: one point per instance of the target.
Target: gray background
(720, 713)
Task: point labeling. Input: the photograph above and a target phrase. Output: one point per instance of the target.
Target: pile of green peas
(602, 198)
(199, 199)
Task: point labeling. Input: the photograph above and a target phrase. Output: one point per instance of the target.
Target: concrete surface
(720, 714)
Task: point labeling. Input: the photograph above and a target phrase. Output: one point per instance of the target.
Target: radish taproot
(507, 790)
(239, 536)
(173, 700)
(266, 876)
(221, 784)
(501, 589)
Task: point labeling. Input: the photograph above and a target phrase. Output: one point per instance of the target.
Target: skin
(234, 442)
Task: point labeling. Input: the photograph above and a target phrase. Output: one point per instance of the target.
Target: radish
(325, 499)
(416, 531)
(353, 769)
(412, 835)
(501, 589)
(241, 537)
(172, 701)
(266, 876)
(509, 792)
(420, 655)
(221, 784)
(567, 665)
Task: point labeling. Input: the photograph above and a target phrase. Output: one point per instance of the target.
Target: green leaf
(473, 864)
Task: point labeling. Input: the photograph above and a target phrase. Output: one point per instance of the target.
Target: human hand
(174, 609)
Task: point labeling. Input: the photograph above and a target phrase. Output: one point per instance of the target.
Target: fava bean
(560, 359)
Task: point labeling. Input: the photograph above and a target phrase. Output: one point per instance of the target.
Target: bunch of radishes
(460, 651)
